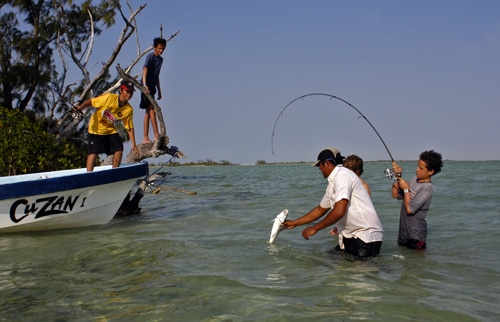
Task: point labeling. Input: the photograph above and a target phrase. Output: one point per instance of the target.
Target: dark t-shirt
(153, 64)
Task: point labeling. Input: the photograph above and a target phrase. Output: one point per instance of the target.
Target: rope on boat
(160, 177)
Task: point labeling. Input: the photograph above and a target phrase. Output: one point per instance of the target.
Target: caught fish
(280, 218)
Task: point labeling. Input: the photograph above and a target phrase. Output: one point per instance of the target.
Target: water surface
(206, 257)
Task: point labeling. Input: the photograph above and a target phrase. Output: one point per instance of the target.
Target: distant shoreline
(261, 162)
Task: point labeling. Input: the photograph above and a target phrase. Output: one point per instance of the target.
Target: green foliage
(33, 83)
(27, 148)
(34, 34)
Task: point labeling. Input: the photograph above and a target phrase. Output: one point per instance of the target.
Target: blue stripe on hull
(71, 181)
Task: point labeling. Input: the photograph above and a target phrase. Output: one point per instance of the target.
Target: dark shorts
(359, 249)
(414, 244)
(108, 144)
(145, 102)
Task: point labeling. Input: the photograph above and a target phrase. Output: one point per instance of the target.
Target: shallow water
(206, 257)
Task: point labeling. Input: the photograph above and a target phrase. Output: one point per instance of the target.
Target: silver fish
(280, 218)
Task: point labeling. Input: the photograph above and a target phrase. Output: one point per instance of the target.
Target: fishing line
(157, 178)
(331, 97)
(170, 163)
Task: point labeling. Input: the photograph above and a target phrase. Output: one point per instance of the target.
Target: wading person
(103, 136)
(355, 163)
(151, 81)
(417, 196)
(347, 204)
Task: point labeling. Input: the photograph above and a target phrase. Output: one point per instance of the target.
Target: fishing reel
(389, 173)
(76, 113)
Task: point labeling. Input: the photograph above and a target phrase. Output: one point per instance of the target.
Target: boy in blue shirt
(151, 80)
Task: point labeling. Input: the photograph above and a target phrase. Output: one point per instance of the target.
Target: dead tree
(70, 120)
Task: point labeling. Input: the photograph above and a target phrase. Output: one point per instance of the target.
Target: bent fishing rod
(331, 97)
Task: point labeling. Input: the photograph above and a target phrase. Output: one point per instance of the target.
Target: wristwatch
(406, 191)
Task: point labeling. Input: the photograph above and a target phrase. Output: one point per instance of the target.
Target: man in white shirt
(347, 204)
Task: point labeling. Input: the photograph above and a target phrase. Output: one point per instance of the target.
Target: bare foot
(145, 141)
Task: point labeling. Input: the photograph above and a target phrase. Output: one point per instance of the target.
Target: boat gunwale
(42, 183)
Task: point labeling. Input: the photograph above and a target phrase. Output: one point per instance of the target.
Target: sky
(426, 74)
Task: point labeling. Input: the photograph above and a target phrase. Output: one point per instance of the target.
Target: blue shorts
(145, 102)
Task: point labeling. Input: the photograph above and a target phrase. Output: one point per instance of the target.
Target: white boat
(66, 198)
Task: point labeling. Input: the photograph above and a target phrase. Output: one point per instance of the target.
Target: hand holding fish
(288, 224)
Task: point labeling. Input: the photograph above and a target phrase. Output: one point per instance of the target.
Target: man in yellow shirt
(103, 136)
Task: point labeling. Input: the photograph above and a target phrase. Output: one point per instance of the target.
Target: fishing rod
(331, 97)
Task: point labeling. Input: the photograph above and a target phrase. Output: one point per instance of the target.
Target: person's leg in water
(415, 244)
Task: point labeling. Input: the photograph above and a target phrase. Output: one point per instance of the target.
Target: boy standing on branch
(103, 136)
(151, 81)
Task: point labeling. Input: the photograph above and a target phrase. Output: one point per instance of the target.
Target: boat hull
(65, 199)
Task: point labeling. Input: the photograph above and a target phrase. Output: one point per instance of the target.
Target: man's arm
(333, 216)
(312, 215)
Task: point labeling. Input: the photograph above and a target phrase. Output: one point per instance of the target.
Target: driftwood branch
(173, 36)
(64, 124)
(159, 114)
(127, 31)
(149, 150)
(92, 37)
(152, 149)
(70, 120)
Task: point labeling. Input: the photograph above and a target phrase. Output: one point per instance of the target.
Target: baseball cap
(128, 85)
(329, 154)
